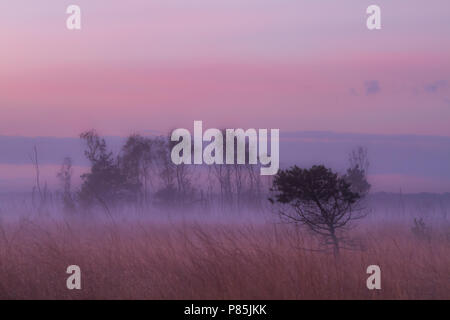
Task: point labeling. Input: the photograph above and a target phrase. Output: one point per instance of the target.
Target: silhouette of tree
(356, 177)
(359, 157)
(136, 159)
(176, 180)
(42, 192)
(320, 199)
(105, 183)
(357, 172)
(65, 177)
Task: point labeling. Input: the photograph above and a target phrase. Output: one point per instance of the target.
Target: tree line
(142, 174)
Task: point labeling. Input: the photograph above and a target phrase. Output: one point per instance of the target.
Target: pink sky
(293, 65)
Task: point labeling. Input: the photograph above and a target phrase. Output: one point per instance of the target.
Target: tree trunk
(335, 243)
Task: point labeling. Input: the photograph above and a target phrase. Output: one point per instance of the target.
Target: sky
(296, 65)
(406, 163)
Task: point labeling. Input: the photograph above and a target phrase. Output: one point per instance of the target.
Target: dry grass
(148, 261)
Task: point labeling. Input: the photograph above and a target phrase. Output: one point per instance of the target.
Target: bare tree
(65, 177)
(223, 174)
(358, 157)
(42, 192)
(137, 157)
(237, 182)
(176, 180)
(357, 172)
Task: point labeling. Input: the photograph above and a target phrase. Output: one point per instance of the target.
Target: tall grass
(143, 260)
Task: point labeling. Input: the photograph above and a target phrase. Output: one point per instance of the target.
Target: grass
(143, 260)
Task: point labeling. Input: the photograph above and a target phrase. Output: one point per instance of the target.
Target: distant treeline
(143, 174)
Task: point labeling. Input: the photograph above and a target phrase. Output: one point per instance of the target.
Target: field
(141, 259)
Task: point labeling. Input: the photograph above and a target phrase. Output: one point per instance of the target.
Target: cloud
(435, 86)
(354, 92)
(372, 87)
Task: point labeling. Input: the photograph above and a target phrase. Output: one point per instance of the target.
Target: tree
(42, 192)
(357, 180)
(105, 183)
(358, 158)
(176, 180)
(357, 172)
(238, 183)
(320, 199)
(65, 177)
(137, 156)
